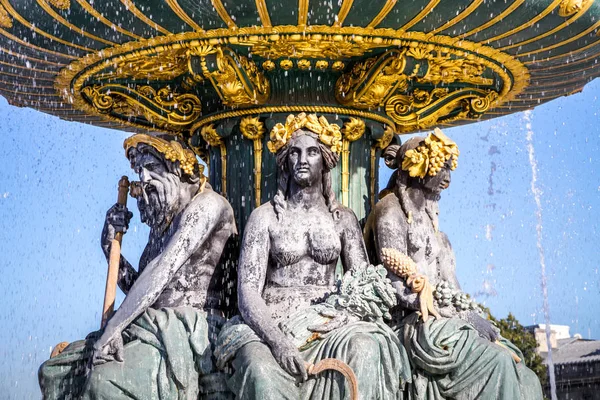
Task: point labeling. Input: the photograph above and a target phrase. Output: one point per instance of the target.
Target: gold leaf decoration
(209, 133)
(5, 19)
(329, 134)
(353, 129)
(252, 128)
(172, 150)
(61, 4)
(431, 155)
(568, 8)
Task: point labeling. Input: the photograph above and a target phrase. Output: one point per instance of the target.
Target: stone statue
(158, 344)
(459, 354)
(287, 268)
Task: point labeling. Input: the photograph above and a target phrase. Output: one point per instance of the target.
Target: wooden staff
(114, 259)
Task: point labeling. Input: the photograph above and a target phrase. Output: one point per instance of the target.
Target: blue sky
(59, 178)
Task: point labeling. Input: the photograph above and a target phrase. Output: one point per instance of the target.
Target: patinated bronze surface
(175, 297)
(460, 354)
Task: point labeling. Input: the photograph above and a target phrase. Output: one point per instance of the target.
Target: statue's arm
(354, 252)
(391, 232)
(195, 227)
(447, 262)
(117, 220)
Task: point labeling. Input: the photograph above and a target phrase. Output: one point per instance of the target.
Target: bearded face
(158, 193)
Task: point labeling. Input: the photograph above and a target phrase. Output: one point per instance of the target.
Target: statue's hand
(288, 357)
(117, 220)
(484, 327)
(109, 347)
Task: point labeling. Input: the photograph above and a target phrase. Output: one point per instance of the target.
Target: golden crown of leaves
(431, 155)
(172, 150)
(329, 134)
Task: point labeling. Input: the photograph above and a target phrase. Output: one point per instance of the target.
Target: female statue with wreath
(287, 266)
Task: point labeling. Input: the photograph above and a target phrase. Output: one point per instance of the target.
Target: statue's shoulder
(388, 207)
(261, 214)
(210, 201)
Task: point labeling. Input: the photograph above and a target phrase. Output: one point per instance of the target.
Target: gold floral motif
(353, 129)
(568, 8)
(303, 64)
(5, 19)
(444, 69)
(162, 108)
(338, 66)
(268, 65)
(321, 64)
(329, 134)
(431, 155)
(252, 128)
(173, 151)
(286, 64)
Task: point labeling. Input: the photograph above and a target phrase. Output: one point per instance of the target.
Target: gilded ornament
(61, 4)
(209, 133)
(431, 155)
(252, 128)
(236, 79)
(318, 42)
(386, 139)
(321, 64)
(303, 64)
(568, 8)
(268, 65)
(353, 129)
(329, 134)
(338, 66)
(286, 64)
(5, 19)
(163, 108)
(166, 65)
(172, 150)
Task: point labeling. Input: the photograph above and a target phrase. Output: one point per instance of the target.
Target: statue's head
(306, 149)
(426, 162)
(166, 169)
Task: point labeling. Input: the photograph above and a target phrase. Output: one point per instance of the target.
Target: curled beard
(160, 203)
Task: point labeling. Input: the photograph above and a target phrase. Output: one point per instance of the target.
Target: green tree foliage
(511, 329)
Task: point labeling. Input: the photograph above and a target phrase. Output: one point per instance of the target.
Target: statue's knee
(364, 346)
(256, 360)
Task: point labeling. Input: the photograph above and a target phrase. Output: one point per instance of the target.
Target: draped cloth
(167, 355)
(371, 349)
(451, 361)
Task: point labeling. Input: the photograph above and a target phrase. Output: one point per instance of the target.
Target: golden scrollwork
(253, 129)
(568, 8)
(236, 79)
(166, 65)
(385, 75)
(162, 108)
(405, 82)
(511, 75)
(5, 19)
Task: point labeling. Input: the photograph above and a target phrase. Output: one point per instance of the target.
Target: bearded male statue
(158, 344)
